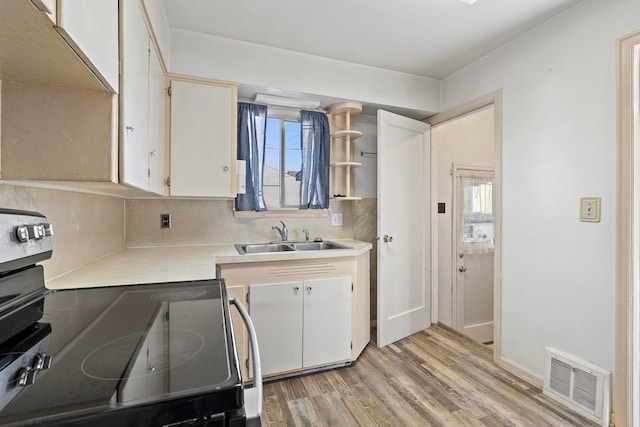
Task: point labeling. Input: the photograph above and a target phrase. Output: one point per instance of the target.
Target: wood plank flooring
(434, 378)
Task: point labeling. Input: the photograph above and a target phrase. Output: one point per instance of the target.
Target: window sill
(283, 213)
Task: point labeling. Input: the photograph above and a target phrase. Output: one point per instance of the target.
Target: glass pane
(271, 183)
(477, 221)
(292, 163)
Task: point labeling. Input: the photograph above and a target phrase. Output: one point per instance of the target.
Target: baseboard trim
(521, 372)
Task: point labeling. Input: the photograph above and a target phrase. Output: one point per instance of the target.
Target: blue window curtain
(252, 126)
(314, 186)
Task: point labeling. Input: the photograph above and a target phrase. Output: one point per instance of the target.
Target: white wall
(247, 63)
(559, 144)
(366, 176)
(466, 141)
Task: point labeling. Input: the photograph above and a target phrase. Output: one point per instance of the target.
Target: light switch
(590, 209)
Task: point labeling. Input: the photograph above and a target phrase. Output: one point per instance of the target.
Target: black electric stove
(152, 355)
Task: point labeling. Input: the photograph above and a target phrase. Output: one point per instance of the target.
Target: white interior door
(404, 245)
(473, 214)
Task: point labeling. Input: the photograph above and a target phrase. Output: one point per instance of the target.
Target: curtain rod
(251, 101)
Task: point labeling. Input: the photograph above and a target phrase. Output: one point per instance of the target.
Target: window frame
(283, 114)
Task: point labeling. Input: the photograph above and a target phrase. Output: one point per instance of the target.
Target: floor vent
(580, 385)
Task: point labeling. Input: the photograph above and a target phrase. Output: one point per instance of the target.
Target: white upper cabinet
(91, 28)
(141, 105)
(157, 150)
(203, 139)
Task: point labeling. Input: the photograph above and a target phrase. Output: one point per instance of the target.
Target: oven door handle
(255, 393)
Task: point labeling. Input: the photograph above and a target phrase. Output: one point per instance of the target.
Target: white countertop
(133, 266)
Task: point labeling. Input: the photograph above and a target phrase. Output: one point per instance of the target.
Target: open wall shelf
(342, 142)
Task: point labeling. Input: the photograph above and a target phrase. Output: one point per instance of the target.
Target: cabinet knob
(296, 289)
(153, 153)
(387, 238)
(226, 168)
(130, 128)
(308, 289)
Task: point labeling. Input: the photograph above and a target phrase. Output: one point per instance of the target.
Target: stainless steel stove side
(25, 239)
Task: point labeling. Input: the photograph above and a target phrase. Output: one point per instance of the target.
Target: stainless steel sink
(318, 246)
(261, 248)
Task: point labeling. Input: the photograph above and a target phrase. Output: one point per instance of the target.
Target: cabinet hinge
(149, 173)
(169, 91)
(168, 181)
(352, 287)
(247, 297)
(351, 345)
(148, 51)
(246, 363)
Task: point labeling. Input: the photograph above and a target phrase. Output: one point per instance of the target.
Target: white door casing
(404, 243)
(473, 264)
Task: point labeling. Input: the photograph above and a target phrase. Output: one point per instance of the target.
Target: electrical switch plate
(336, 219)
(165, 220)
(590, 209)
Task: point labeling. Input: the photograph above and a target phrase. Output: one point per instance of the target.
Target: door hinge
(168, 181)
(352, 286)
(169, 91)
(247, 297)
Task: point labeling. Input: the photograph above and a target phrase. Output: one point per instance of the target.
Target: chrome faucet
(306, 235)
(284, 233)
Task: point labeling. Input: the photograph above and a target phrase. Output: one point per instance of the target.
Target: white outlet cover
(336, 219)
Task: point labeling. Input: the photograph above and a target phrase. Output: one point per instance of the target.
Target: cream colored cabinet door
(91, 28)
(302, 324)
(134, 98)
(326, 321)
(276, 312)
(203, 146)
(157, 95)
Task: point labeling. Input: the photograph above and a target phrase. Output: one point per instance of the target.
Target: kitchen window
(283, 163)
(286, 154)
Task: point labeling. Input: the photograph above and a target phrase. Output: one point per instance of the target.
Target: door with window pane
(474, 234)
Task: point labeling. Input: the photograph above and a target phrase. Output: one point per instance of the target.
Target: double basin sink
(261, 248)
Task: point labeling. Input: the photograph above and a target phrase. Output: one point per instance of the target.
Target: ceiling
(431, 38)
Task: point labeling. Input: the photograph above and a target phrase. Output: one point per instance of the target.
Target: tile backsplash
(212, 221)
(86, 226)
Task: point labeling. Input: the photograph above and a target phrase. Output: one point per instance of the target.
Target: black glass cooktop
(145, 351)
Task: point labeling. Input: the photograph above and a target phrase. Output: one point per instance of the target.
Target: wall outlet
(165, 220)
(336, 219)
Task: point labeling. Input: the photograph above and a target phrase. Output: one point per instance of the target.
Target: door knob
(387, 238)
(462, 269)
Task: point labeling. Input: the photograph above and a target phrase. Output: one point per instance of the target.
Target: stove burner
(181, 295)
(164, 349)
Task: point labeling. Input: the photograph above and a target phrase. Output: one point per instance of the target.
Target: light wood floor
(433, 378)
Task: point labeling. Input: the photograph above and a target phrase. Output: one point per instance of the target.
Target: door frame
(454, 234)
(493, 98)
(626, 378)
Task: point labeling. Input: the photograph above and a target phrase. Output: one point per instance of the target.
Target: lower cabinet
(302, 324)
